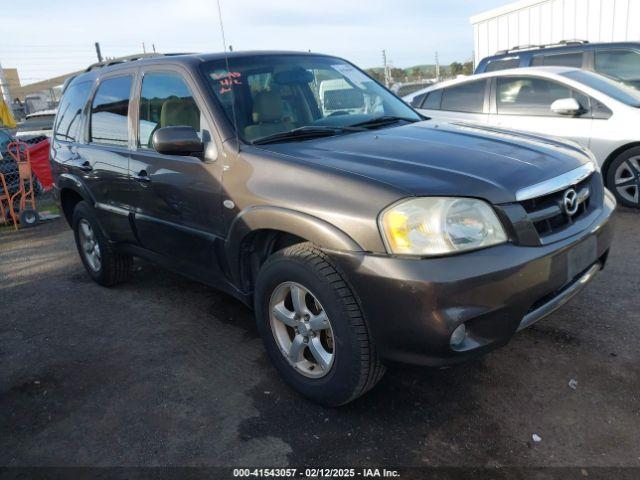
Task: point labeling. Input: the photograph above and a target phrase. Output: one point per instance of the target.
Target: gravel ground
(164, 371)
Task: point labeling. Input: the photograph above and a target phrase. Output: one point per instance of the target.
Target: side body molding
(297, 223)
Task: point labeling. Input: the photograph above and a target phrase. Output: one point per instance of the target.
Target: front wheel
(313, 328)
(623, 178)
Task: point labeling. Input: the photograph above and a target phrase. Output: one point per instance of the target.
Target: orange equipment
(4, 196)
(26, 191)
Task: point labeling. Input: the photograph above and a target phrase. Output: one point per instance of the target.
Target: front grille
(548, 214)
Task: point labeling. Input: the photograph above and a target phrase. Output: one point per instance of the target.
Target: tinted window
(165, 101)
(109, 110)
(418, 99)
(69, 118)
(433, 100)
(496, 65)
(532, 96)
(468, 97)
(608, 86)
(622, 64)
(559, 60)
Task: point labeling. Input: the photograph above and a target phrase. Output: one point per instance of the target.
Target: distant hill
(423, 71)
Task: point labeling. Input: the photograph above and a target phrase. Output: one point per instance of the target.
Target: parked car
(359, 238)
(597, 112)
(37, 124)
(620, 60)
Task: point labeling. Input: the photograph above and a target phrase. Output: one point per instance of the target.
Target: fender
(296, 223)
(67, 180)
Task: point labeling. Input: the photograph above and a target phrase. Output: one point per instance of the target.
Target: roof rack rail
(128, 58)
(561, 43)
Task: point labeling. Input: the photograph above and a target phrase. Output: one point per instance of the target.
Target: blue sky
(43, 38)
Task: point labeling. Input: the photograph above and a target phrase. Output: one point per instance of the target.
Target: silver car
(599, 113)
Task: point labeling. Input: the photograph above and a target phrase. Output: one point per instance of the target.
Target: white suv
(599, 113)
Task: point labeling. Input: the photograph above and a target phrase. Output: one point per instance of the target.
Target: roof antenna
(233, 90)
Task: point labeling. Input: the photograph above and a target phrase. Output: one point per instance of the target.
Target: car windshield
(607, 85)
(271, 95)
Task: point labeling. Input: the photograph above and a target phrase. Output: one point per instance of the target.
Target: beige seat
(178, 112)
(268, 109)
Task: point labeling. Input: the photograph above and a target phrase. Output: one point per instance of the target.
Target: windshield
(607, 85)
(275, 94)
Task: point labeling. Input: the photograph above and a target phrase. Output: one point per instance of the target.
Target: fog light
(458, 336)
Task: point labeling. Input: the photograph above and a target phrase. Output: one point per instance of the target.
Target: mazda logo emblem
(570, 202)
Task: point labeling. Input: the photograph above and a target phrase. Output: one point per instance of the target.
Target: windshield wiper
(304, 133)
(383, 120)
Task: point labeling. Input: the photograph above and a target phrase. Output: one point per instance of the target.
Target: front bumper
(413, 305)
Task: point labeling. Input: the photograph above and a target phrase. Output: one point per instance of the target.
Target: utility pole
(144, 49)
(153, 45)
(387, 72)
(98, 52)
(437, 68)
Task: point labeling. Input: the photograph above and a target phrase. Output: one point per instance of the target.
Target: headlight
(440, 225)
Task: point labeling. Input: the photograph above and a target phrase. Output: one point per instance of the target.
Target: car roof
(554, 48)
(101, 68)
(524, 71)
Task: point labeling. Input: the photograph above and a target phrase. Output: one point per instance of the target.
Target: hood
(429, 158)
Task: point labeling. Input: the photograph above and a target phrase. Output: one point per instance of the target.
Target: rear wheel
(623, 177)
(103, 264)
(313, 328)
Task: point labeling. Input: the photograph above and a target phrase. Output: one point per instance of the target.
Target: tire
(623, 178)
(112, 267)
(355, 367)
(29, 218)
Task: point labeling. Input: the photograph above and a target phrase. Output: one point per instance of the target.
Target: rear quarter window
(503, 64)
(70, 112)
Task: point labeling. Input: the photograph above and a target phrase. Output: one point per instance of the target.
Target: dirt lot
(164, 371)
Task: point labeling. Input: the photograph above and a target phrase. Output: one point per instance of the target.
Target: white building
(536, 22)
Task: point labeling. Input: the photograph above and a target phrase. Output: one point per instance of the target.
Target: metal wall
(534, 22)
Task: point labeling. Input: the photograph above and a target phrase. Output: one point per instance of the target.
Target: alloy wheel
(627, 180)
(89, 245)
(302, 329)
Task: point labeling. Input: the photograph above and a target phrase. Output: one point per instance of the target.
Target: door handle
(142, 177)
(85, 167)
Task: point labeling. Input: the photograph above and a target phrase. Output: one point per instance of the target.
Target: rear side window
(165, 101)
(622, 64)
(573, 59)
(468, 97)
(67, 123)
(433, 100)
(418, 99)
(495, 65)
(109, 112)
(532, 96)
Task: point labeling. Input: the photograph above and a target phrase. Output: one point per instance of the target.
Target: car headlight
(440, 225)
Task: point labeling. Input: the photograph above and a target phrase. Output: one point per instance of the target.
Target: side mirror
(566, 106)
(177, 141)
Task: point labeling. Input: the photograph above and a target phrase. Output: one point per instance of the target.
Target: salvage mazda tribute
(360, 232)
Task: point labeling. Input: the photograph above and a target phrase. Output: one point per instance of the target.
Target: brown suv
(360, 233)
